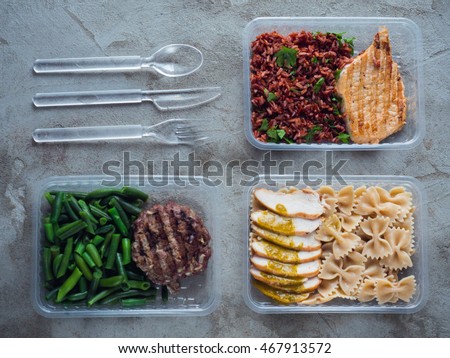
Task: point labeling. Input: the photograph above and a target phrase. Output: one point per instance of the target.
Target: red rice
(298, 109)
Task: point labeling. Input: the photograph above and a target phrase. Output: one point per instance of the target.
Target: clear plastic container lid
(406, 43)
(199, 294)
(262, 304)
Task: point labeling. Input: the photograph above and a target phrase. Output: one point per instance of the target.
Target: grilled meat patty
(372, 91)
(170, 242)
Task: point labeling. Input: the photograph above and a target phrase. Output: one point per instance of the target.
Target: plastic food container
(199, 294)
(406, 43)
(262, 304)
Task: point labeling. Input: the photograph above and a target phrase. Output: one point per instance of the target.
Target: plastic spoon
(172, 61)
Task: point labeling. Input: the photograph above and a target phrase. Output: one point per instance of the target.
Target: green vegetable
(126, 251)
(286, 57)
(270, 95)
(69, 284)
(57, 207)
(311, 133)
(81, 260)
(133, 302)
(118, 221)
(314, 60)
(318, 85)
(115, 239)
(70, 229)
(337, 74)
(264, 125)
(343, 137)
(275, 135)
(65, 259)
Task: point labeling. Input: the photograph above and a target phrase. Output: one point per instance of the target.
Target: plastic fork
(172, 131)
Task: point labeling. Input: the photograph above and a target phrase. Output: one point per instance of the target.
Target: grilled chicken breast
(373, 95)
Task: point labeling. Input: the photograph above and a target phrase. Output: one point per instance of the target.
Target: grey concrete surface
(54, 28)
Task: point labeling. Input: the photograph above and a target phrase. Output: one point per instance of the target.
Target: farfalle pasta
(364, 238)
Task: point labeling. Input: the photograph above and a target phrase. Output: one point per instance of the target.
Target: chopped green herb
(275, 135)
(311, 133)
(288, 140)
(264, 125)
(292, 73)
(337, 74)
(271, 97)
(286, 57)
(349, 42)
(318, 85)
(343, 137)
(336, 111)
(314, 60)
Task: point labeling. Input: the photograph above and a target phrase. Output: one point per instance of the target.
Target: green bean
(103, 221)
(140, 285)
(83, 266)
(105, 243)
(112, 281)
(90, 228)
(133, 302)
(68, 284)
(93, 253)
(50, 198)
(70, 229)
(123, 215)
(118, 221)
(49, 233)
(126, 251)
(134, 276)
(82, 284)
(69, 209)
(77, 296)
(55, 251)
(119, 266)
(101, 295)
(77, 194)
(74, 204)
(93, 287)
(131, 293)
(50, 296)
(63, 219)
(102, 193)
(128, 207)
(88, 259)
(80, 247)
(98, 212)
(85, 208)
(111, 258)
(56, 263)
(104, 229)
(66, 256)
(48, 264)
(97, 240)
(134, 193)
(164, 293)
(57, 206)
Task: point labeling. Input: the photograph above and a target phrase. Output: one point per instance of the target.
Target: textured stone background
(52, 28)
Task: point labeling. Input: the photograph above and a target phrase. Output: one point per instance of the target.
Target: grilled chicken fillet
(373, 95)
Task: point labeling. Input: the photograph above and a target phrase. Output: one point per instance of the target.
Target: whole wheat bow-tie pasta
(376, 247)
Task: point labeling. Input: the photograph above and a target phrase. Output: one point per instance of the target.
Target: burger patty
(170, 242)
